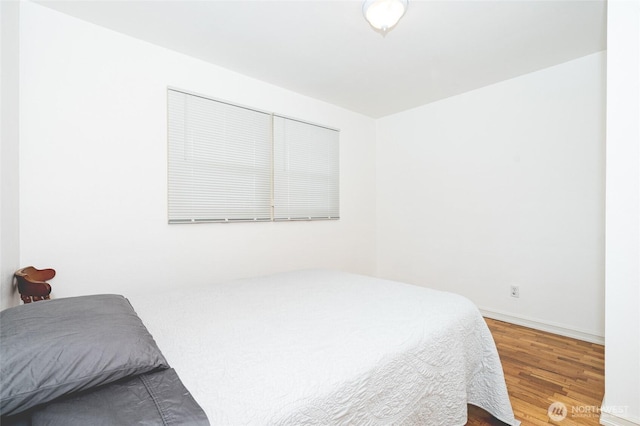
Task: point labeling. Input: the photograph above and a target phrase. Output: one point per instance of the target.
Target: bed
(302, 348)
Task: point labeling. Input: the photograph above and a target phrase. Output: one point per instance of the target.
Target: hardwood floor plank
(541, 368)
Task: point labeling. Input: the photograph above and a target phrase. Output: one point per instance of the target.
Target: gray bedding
(157, 398)
(87, 361)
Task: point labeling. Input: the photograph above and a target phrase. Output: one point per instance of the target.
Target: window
(219, 161)
(230, 163)
(306, 176)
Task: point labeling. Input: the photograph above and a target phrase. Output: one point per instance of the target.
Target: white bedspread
(328, 348)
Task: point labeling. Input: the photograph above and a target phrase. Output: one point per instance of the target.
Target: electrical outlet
(515, 291)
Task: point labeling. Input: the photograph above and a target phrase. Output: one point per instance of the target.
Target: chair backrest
(35, 275)
(31, 283)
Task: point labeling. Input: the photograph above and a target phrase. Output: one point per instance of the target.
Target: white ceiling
(326, 50)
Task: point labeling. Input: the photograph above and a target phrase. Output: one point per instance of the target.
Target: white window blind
(230, 163)
(306, 171)
(219, 161)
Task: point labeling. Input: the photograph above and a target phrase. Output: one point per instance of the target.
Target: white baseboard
(611, 420)
(543, 326)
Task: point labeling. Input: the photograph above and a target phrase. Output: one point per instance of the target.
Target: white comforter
(328, 348)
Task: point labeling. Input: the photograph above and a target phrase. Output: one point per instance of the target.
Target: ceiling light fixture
(383, 15)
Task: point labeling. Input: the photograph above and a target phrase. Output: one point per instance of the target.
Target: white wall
(10, 122)
(622, 349)
(93, 168)
(502, 186)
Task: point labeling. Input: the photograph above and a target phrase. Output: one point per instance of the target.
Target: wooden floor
(542, 368)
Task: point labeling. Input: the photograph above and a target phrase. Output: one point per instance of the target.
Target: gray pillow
(56, 347)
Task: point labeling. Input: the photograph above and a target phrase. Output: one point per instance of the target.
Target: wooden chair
(32, 285)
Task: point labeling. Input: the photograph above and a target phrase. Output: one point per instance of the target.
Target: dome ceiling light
(383, 15)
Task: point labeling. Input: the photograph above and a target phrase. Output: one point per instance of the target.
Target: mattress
(328, 348)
